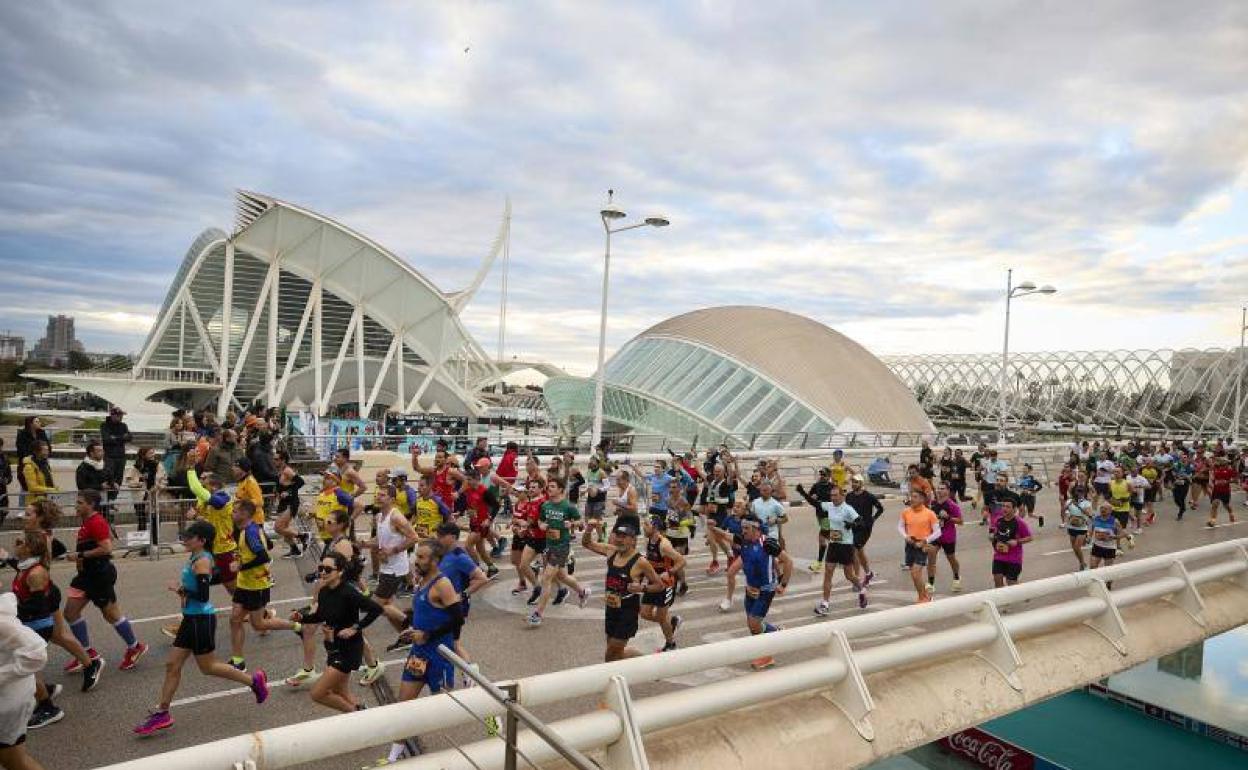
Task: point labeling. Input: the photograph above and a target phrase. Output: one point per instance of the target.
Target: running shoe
(91, 674)
(292, 553)
(713, 568)
(156, 720)
(491, 571)
(519, 589)
(535, 620)
(171, 630)
(238, 663)
(533, 597)
(925, 599)
(862, 600)
(957, 586)
(44, 715)
(682, 589)
(1210, 524)
(1041, 518)
(397, 644)
(498, 549)
(821, 609)
(725, 606)
(931, 588)
(815, 566)
(371, 674)
(74, 666)
(582, 597)
(301, 676)
(1130, 541)
(560, 595)
(760, 664)
(866, 581)
(676, 621)
(260, 685)
(131, 658)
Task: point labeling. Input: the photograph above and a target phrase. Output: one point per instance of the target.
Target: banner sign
(986, 750)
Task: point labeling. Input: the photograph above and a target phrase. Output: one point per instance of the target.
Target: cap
(857, 477)
(398, 473)
(626, 528)
(333, 472)
(824, 471)
(483, 463)
(116, 410)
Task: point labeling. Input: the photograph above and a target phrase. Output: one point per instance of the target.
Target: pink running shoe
(155, 722)
(260, 685)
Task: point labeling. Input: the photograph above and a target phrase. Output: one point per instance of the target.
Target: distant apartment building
(12, 347)
(58, 342)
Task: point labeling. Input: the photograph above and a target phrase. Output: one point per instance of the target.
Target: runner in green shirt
(559, 517)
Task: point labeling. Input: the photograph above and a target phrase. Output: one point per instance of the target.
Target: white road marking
(247, 690)
(177, 615)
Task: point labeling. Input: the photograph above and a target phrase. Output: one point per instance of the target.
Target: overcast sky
(876, 166)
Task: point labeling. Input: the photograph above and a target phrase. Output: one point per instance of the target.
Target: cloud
(875, 166)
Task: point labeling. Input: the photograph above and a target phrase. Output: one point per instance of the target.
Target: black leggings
(1180, 497)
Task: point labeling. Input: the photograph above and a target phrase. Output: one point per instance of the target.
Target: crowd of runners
(432, 532)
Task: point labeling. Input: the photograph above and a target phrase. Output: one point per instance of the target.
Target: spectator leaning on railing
(114, 435)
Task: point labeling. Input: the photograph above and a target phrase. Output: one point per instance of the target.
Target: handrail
(984, 629)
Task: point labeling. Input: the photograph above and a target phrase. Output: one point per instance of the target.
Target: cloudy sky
(876, 166)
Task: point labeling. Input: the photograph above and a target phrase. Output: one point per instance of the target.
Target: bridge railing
(986, 624)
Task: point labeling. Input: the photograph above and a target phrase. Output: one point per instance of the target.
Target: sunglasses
(325, 570)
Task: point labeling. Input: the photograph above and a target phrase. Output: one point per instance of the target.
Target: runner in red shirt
(528, 537)
(1222, 476)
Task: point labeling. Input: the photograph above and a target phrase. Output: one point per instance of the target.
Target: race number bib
(415, 665)
(1076, 521)
(835, 536)
(752, 592)
(611, 600)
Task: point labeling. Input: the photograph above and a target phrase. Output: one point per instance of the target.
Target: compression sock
(955, 575)
(79, 627)
(123, 629)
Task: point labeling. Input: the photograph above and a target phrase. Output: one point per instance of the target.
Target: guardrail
(985, 623)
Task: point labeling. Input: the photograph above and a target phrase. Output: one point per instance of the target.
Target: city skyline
(843, 163)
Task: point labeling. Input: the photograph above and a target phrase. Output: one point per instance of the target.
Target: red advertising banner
(988, 751)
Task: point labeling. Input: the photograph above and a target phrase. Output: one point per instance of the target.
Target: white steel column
(249, 336)
(318, 318)
(181, 333)
(314, 300)
(270, 364)
(227, 305)
(381, 374)
(325, 395)
(359, 361)
(402, 391)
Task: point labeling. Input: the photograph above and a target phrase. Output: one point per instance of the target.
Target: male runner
(767, 571)
(250, 567)
(1076, 516)
(769, 511)
(464, 573)
(716, 505)
(820, 492)
(1220, 480)
(557, 516)
(1106, 534)
(869, 509)
(528, 538)
(837, 528)
(352, 483)
(667, 563)
(1009, 532)
(1119, 496)
(629, 574)
(395, 536)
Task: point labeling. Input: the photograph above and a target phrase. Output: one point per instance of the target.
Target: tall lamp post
(1012, 291)
(1239, 375)
(610, 213)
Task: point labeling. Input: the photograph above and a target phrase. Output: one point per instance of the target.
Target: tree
(78, 361)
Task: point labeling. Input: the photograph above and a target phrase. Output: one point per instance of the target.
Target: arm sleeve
(456, 619)
(192, 480)
(901, 527)
(878, 506)
(935, 529)
(202, 584)
(810, 499)
(256, 543)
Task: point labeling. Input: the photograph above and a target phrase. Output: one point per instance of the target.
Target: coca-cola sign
(988, 751)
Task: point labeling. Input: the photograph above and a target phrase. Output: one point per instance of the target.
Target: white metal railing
(980, 625)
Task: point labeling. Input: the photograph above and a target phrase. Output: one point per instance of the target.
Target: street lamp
(610, 213)
(1239, 377)
(1012, 291)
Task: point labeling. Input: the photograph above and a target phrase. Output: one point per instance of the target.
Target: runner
(37, 597)
(950, 515)
(96, 583)
(717, 503)
(667, 563)
(332, 499)
(837, 528)
(838, 471)
(558, 517)
(430, 512)
(767, 571)
(1029, 487)
(769, 511)
(919, 527)
(1119, 495)
(1139, 489)
(680, 527)
(1106, 533)
(528, 538)
(869, 509)
(1181, 482)
(196, 632)
(352, 483)
(596, 479)
(345, 612)
(22, 656)
(1201, 471)
(733, 532)
(629, 575)
(1104, 474)
(480, 501)
(289, 482)
(820, 493)
(1221, 478)
(395, 536)
(464, 573)
(437, 613)
(1008, 532)
(1151, 474)
(250, 600)
(1076, 517)
(249, 489)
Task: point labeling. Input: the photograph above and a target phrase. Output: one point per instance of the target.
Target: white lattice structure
(294, 309)
(1169, 389)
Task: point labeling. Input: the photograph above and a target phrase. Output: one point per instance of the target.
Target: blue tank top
(425, 616)
(756, 563)
(194, 606)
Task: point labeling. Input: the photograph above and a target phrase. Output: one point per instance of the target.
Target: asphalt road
(96, 729)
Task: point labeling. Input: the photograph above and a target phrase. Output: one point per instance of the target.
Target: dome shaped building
(753, 376)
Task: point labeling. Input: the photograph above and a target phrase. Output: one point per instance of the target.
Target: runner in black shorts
(196, 634)
(667, 562)
(629, 575)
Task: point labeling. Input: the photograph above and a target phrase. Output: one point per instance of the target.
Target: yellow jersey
(251, 546)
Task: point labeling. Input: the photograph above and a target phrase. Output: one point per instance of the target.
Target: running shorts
(518, 542)
(1076, 532)
(758, 605)
(98, 585)
(481, 528)
(1009, 569)
(1102, 552)
(621, 622)
(1028, 501)
(345, 655)
(720, 517)
(424, 664)
(1101, 487)
(1137, 505)
(557, 555)
(680, 544)
(221, 572)
(251, 599)
(664, 598)
(1123, 517)
(595, 509)
(538, 544)
(839, 553)
(861, 536)
(387, 585)
(197, 633)
(1150, 495)
(949, 548)
(915, 556)
(1222, 497)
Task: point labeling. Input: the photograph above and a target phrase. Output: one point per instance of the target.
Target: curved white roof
(823, 368)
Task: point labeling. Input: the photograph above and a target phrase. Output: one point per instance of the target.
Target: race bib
(752, 592)
(552, 534)
(415, 665)
(611, 600)
(1077, 521)
(835, 536)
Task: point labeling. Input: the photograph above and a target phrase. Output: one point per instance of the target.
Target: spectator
(144, 484)
(263, 466)
(37, 474)
(91, 475)
(223, 454)
(6, 478)
(114, 435)
(877, 472)
(30, 436)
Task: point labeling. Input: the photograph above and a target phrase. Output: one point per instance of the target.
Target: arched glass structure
(736, 371)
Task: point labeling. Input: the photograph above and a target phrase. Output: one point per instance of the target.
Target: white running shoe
(725, 606)
(821, 609)
(582, 597)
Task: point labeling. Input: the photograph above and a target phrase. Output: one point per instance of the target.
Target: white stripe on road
(247, 690)
(178, 615)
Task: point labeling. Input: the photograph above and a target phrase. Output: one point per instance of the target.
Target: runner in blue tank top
(436, 614)
(767, 569)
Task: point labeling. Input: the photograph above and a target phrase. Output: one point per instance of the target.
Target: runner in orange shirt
(920, 528)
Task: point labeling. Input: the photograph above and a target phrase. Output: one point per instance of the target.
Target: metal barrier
(985, 623)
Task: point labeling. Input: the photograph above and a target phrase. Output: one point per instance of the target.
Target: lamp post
(1239, 375)
(1012, 291)
(610, 213)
